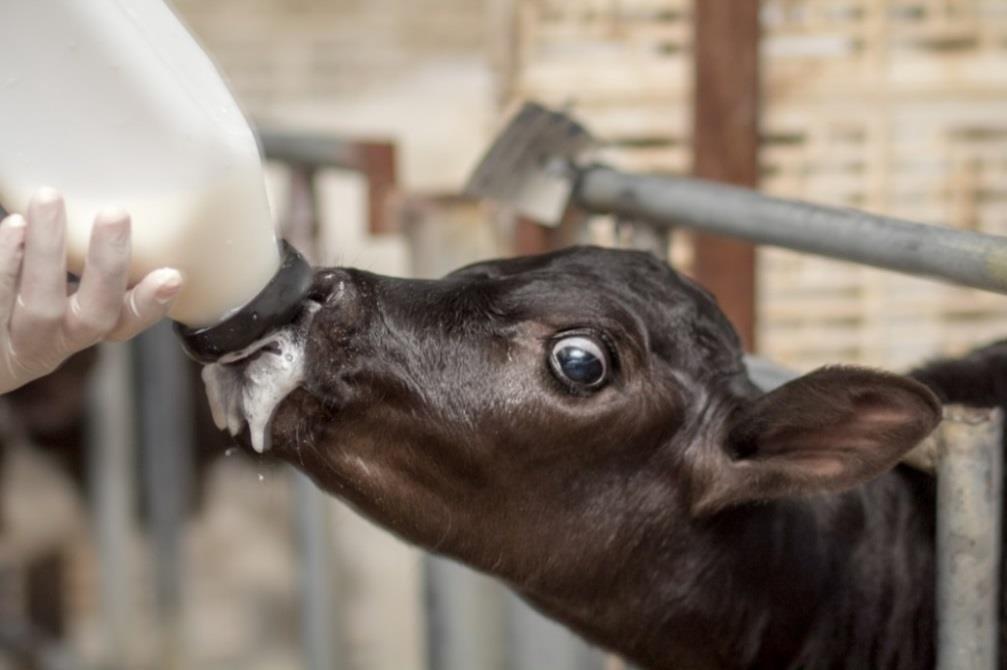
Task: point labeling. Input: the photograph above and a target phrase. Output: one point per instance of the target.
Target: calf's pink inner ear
(826, 431)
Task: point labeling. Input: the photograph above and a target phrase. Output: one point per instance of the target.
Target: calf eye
(580, 361)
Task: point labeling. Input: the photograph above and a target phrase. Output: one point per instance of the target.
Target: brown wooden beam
(378, 162)
(531, 238)
(726, 143)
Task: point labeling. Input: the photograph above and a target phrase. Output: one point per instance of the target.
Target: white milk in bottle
(113, 103)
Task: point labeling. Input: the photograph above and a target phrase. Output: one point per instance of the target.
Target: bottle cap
(275, 306)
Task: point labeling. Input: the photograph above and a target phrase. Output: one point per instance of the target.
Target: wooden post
(531, 238)
(379, 162)
(725, 143)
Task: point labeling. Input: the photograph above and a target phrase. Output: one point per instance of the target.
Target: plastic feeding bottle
(113, 103)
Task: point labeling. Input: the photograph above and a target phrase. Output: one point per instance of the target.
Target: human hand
(40, 324)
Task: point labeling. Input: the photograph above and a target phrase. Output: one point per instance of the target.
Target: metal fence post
(167, 438)
(321, 633)
(464, 618)
(110, 463)
(969, 498)
(535, 641)
(643, 236)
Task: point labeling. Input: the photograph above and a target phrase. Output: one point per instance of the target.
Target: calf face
(557, 420)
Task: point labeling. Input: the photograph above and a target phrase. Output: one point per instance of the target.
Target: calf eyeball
(580, 361)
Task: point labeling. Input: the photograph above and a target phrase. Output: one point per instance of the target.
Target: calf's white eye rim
(591, 346)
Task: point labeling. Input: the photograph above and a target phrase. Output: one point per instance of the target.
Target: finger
(43, 277)
(12, 233)
(97, 305)
(147, 303)
(36, 336)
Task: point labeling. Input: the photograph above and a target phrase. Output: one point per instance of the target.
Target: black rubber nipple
(275, 306)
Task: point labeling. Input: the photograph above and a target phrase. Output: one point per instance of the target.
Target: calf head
(540, 417)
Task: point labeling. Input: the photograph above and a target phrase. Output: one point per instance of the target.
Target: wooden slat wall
(895, 106)
(282, 53)
(624, 67)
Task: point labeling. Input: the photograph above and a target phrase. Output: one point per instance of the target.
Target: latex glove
(40, 325)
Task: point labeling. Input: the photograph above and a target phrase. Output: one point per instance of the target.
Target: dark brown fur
(677, 516)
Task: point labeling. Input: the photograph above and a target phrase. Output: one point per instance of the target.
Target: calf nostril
(271, 348)
(329, 285)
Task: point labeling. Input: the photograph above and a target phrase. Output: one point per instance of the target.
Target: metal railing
(962, 257)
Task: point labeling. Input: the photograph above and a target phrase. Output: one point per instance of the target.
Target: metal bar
(110, 460)
(535, 641)
(321, 635)
(465, 618)
(167, 440)
(301, 226)
(643, 236)
(768, 375)
(309, 149)
(962, 257)
(969, 498)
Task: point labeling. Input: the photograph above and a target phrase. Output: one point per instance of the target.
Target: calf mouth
(245, 388)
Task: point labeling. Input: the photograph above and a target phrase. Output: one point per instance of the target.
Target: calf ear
(826, 431)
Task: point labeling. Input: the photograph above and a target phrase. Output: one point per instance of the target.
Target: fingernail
(14, 221)
(116, 221)
(13, 228)
(46, 195)
(169, 283)
(45, 203)
(112, 215)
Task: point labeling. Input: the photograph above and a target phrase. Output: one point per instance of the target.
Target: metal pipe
(465, 618)
(315, 150)
(322, 640)
(967, 258)
(167, 441)
(969, 497)
(110, 466)
(643, 236)
(534, 641)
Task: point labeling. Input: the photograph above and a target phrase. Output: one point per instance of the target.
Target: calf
(581, 425)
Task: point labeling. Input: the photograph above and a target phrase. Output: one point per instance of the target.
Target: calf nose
(346, 297)
(330, 285)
